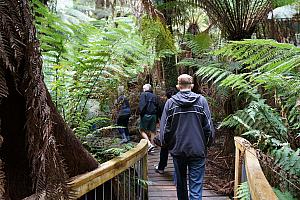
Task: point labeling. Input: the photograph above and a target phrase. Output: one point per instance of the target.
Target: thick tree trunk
(39, 152)
(169, 62)
(170, 71)
(100, 4)
(229, 147)
(13, 153)
(108, 3)
(78, 159)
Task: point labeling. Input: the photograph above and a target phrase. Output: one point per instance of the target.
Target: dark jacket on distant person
(124, 108)
(186, 127)
(148, 103)
(160, 107)
(161, 103)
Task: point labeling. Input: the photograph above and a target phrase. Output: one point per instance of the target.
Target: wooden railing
(247, 168)
(123, 177)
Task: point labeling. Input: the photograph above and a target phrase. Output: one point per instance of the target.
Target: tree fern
(268, 78)
(199, 43)
(83, 58)
(283, 195)
(259, 120)
(243, 191)
(88, 126)
(276, 71)
(259, 54)
(288, 159)
(155, 32)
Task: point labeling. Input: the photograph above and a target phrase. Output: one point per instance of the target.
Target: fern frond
(199, 42)
(288, 159)
(243, 191)
(283, 195)
(81, 55)
(256, 118)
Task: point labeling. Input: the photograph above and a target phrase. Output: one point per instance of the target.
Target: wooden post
(260, 188)
(145, 175)
(237, 169)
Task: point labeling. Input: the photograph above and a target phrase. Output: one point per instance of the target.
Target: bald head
(185, 82)
(146, 87)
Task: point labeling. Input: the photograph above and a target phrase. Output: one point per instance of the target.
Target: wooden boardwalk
(162, 185)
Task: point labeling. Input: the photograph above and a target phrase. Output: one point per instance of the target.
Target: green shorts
(148, 123)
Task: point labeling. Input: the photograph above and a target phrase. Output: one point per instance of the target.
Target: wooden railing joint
(84, 183)
(260, 188)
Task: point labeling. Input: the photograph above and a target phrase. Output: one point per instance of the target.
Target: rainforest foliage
(265, 77)
(85, 59)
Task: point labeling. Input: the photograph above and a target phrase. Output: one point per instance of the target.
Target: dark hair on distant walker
(170, 92)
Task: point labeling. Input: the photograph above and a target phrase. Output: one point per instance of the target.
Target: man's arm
(166, 135)
(142, 102)
(207, 125)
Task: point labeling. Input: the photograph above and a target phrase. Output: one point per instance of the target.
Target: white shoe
(160, 171)
(151, 148)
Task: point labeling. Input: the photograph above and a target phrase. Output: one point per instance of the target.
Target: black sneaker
(151, 149)
(160, 171)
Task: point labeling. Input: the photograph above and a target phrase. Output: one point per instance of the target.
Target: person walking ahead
(123, 114)
(186, 129)
(148, 106)
(163, 154)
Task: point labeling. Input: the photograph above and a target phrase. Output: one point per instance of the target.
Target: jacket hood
(149, 91)
(185, 98)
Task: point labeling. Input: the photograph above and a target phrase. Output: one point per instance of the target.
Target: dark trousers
(163, 158)
(196, 167)
(123, 121)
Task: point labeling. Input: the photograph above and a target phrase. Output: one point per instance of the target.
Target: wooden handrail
(259, 186)
(84, 183)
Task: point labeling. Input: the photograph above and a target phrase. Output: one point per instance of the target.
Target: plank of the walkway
(203, 198)
(162, 185)
(170, 192)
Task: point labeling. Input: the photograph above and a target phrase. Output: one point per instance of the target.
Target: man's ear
(177, 86)
(192, 86)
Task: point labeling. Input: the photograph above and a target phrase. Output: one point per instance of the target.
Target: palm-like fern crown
(237, 18)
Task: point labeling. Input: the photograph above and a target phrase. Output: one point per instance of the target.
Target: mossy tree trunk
(39, 152)
(169, 62)
(170, 71)
(100, 4)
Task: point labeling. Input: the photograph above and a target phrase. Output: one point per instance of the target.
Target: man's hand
(157, 141)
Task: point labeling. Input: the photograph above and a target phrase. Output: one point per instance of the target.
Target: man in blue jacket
(148, 106)
(186, 129)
